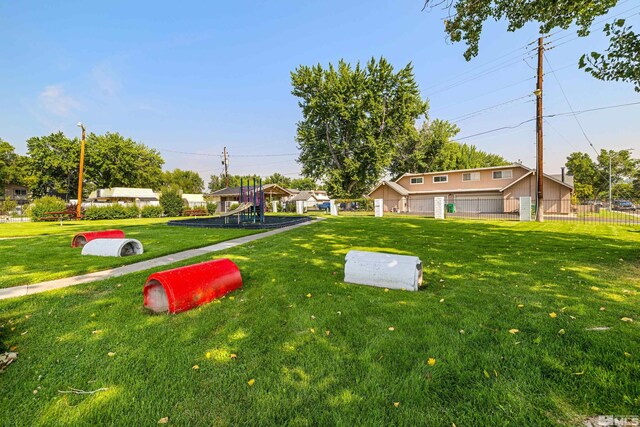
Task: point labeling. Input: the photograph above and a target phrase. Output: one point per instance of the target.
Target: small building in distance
(194, 200)
(311, 198)
(16, 193)
(124, 195)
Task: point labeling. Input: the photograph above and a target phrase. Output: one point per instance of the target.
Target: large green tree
(187, 181)
(218, 182)
(14, 168)
(352, 116)
(279, 179)
(54, 165)
(305, 184)
(115, 161)
(591, 178)
(466, 20)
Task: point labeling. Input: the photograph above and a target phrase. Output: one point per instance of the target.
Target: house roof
(307, 194)
(512, 165)
(568, 179)
(395, 187)
(123, 193)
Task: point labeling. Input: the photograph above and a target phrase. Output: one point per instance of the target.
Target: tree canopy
(467, 18)
(591, 178)
(187, 181)
(352, 117)
(54, 165)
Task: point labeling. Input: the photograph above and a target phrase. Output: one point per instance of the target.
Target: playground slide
(240, 208)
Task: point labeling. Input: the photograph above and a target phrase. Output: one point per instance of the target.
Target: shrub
(152, 211)
(114, 211)
(212, 207)
(46, 204)
(7, 207)
(234, 206)
(171, 203)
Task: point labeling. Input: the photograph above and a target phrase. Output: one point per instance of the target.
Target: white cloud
(54, 100)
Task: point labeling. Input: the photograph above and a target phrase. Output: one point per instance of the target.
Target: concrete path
(19, 291)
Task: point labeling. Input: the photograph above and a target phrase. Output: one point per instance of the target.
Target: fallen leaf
(27, 316)
(396, 404)
(431, 361)
(111, 354)
(308, 295)
(208, 355)
(386, 289)
(195, 367)
(561, 331)
(163, 420)
(578, 373)
(35, 391)
(461, 331)
(327, 332)
(233, 356)
(251, 382)
(391, 328)
(520, 305)
(553, 315)
(339, 313)
(514, 331)
(97, 331)
(486, 374)
(24, 333)
(627, 354)
(602, 309)
(442, 300)
(313, 317)
(232, 298)
(624, 319)
(313, 331)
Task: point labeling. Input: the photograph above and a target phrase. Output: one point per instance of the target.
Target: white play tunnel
(113, 247)
(383, 270)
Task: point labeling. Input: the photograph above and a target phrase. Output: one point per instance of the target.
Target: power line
(479, 112)
(548, 116)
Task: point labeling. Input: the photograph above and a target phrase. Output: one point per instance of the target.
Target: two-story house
(490, 190)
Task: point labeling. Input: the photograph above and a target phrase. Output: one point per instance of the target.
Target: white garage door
(421, 204)
(479, 204)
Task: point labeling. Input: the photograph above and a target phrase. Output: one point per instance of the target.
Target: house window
(441, 178)
(471, 176)
(502, 174)
(20, 192)
(417, 180)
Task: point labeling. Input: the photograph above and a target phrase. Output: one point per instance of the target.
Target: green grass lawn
(320, 352)
(43, 250)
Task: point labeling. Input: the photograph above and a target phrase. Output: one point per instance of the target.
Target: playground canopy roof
(269, 190)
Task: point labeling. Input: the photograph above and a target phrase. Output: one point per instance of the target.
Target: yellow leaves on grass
(312, 330)
(627, 354)
(396, 404)
(163, 420)
(431, 361)
(327, 332)
(520, 305)
(391, 328)
(553, 315)
(111, 353)
(626, 319)
(514, 331)
(195, 367)
(233, 356)
(308, 295)
(251, 382)
(97, 331)
(561, 332)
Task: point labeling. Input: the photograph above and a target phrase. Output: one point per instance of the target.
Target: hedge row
(114, 211)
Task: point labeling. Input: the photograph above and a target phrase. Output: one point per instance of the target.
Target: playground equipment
(253, 198)
(113, 247)
(184, 288)
(383, 270)
(81, 239)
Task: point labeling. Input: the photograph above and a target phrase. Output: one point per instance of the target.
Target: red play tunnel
(184, 288)
(81, 239)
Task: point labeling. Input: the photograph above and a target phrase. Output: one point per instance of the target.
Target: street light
(610, 156)
(79, 206)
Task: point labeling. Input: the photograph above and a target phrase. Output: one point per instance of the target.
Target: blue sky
(197, 76)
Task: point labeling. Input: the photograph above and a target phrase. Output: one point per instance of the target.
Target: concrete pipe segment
(113, 247)
(184, 288)
(383, 270)
(81, 239)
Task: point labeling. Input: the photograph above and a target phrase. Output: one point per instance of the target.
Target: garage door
(479, 204)
(421, 204)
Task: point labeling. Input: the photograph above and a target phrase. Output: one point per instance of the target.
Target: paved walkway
(19, 291)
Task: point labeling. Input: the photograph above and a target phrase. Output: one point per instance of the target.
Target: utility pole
(225, 162)
(539, 135)
(79, 205)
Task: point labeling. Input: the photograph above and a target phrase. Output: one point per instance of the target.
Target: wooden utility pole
(539, 136)
(225, 162)
(79, 206)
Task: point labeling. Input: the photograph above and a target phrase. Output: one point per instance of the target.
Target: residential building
(17, 193)
(310, 198)
(491, 190)
(139, 196)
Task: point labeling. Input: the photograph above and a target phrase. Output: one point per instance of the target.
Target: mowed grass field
(36, 252)
(521, 324)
